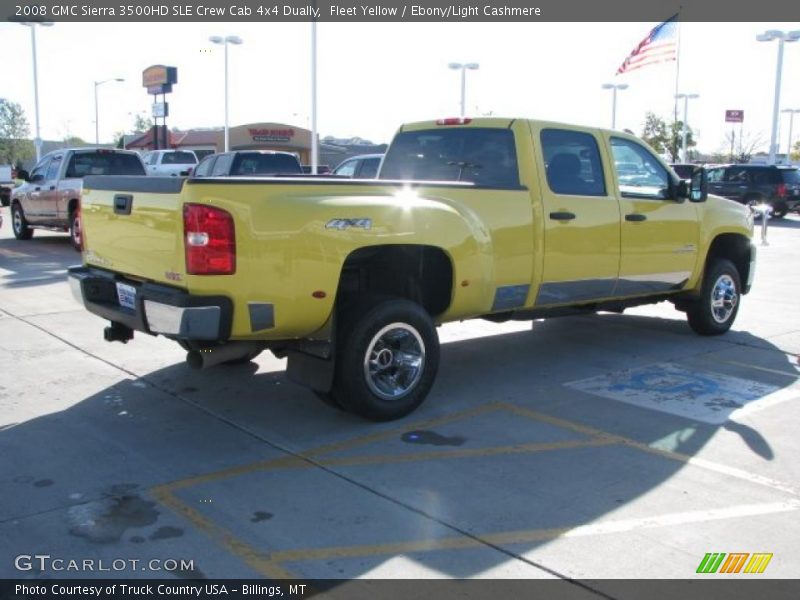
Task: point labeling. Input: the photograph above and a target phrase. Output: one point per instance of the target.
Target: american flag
(660, 45)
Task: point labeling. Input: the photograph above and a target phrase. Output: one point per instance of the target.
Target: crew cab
(173, 163)
(51, 196)
(487, 218)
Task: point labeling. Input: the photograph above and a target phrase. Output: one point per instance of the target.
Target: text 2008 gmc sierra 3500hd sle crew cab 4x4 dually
(494, 218)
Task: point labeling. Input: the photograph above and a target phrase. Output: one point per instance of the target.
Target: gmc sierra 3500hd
(487, 218)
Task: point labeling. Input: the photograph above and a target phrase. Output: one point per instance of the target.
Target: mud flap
(310, 371)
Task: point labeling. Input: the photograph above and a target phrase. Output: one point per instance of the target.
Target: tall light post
(614, 87)
(225, 41)
(792, 112)
(97, 84)
(685, 128)
(463, 67)
(37, 141)
(781, 36)
(314, 146)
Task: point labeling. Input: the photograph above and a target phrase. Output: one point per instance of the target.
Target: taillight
(781, 190)
(209, 239)
(454, 121)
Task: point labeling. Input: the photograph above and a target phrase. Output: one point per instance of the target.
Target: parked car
(50, 196)
(756, 184)
(360, 167)
(175, 163)
(6, 184)
(501, 219)
(248, 162)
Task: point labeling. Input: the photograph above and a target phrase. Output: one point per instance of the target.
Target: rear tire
(715, 311)
(779, 211)
(387, 358)
(75, 229)
(19, 225)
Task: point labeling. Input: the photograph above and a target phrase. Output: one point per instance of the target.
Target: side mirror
(682, 190)
(698, 191)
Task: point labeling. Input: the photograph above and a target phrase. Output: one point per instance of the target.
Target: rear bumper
(158, 309)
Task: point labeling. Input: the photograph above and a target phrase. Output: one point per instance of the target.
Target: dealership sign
(271, 135)
(158, 79)
(734, 116)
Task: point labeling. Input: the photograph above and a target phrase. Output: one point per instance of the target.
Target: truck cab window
(572, 163)
(52, 170)
(639, 173)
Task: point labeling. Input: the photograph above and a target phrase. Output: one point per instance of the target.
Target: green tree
(795, 155)
(73, 140)
(666, 139)
(14, 130)
(141, 123)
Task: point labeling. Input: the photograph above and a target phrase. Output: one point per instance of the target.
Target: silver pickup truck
(50, 198)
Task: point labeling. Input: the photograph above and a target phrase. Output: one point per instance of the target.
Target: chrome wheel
(724, 297)
(76, 230)
(17, 221)
(394, 361)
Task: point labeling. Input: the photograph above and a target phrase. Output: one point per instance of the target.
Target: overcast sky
(372, 77)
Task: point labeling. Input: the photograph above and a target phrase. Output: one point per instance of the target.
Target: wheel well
(73, 204)
(734, 247)
(422, 274)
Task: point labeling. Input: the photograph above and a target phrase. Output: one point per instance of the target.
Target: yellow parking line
(262, 563)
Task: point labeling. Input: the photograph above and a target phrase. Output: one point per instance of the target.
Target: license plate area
(126, 295)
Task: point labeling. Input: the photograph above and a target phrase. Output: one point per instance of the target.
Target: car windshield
(104, 163)
(179, 158)
(480, 155)
(265, 164)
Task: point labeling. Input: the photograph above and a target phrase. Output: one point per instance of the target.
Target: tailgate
(134, 226)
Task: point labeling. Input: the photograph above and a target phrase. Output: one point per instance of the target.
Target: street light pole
(314, 148)
(97, 109)
(463, 67)
(37, 141)
(685, 128)
(229, 39)
(614, 87)
(792, 112)
(781, 36)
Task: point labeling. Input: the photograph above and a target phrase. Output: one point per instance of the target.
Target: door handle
(52, 187)
(123, 204)
(635, 217)
(36, 189)
(562, 216)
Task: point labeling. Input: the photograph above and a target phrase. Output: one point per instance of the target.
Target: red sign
(734, 116)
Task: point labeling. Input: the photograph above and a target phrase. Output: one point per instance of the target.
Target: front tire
(716, 310)
(19, 225)
(387, 359)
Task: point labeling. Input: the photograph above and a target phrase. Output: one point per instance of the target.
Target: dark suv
(753, 184)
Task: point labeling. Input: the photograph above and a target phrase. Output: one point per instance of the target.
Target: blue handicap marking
(668, 382)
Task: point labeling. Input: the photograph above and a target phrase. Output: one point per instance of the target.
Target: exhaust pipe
(214, 355)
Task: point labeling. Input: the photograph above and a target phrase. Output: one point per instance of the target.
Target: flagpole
(677, 67)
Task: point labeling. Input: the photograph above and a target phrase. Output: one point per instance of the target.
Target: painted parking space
(698, 395)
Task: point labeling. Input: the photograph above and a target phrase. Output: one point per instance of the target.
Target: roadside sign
(160, 110)
(734, 116)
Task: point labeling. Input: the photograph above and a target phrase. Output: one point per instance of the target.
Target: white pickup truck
(169, 163)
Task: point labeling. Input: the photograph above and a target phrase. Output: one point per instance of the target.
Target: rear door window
(484, 156)
(256, 163)
(791, 176)
(369, 168)
(179, 158)
(572, 163)
(205, 167)
(104, 163)
(347, 169)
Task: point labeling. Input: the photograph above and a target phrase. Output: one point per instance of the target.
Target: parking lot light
(685, 128)
(463, 67)
(614, 87)
(792, 112)
(782, 36)
(37, 141)
(97, 109)
(225, 41)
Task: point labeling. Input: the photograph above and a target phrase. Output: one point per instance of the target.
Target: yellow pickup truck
(469, 218)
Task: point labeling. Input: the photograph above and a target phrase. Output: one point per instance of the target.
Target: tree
(142, 123)
(795, 155)
(666, 139)
(740, 148)
(14, 130)
(73, 140)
